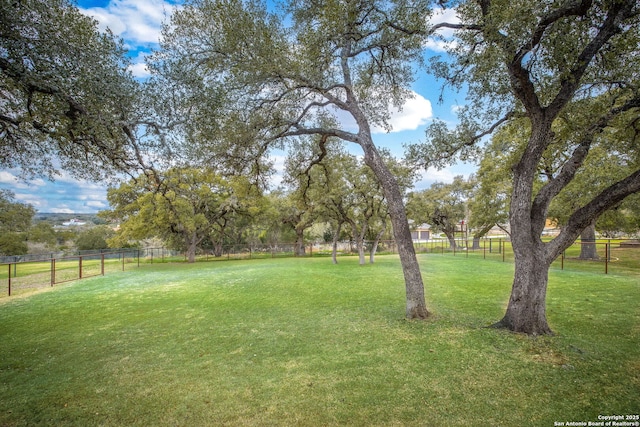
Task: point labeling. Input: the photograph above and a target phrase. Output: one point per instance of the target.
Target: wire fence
(599, 256)
(22, 275)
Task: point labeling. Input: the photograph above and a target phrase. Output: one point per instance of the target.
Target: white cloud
(278, 165)
(136, 21)
(415, 113)
(97, 205)
(139, 69)
(39, 202)
(8, 178)
(64, 210)
(445, 36)
(65, 195)
(446, 175)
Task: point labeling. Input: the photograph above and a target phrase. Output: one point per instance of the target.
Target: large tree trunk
(526, 311)
(416, 307)
(479, 235)
(588, 247)
(299, 249)
(192, 244)
(217, 249)
(476, 243)
(452, 239)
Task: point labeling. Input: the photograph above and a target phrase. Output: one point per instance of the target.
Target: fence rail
(599, 256)
(22, 276)
(26, 275)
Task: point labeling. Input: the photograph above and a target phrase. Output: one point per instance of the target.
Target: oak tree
(271, 75)
(67, 98)
(543, 62)
(183, 206)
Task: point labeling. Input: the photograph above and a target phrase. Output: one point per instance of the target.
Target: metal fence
(600, 256)
(25, 275)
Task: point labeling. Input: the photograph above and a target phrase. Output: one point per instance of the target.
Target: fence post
(80, 267)
(102, 263)
(53, 271)
(562, 262)
(9, 279)
(606, 258)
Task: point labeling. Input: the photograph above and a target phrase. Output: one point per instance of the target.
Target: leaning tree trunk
(588, 247)
(479, 235)
(452, 239)
(374, 246)
(416, 307)
(217, 248)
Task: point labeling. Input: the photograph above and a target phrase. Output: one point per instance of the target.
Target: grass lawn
(303, 342)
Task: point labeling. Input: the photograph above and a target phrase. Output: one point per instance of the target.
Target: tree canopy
(184, 206)
(68, 101)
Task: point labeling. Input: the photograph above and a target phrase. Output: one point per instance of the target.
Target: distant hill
(59, 218)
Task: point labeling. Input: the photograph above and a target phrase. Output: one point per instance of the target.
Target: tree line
(551, 89)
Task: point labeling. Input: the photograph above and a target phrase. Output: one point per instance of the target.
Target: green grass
(303, 342)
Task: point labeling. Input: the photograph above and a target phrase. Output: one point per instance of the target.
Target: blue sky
(138, 23)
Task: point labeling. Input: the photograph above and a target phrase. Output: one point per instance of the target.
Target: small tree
(43, 233)
(15, 217)
(94, 238)
(13, 244)
(443, 206)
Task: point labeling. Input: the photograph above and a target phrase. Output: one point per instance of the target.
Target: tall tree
(67, 99)
(276, 75)
(545, 62)
(183, 206)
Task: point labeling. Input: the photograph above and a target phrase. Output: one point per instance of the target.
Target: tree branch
(581, 218)
(571, 166)
(619, 11)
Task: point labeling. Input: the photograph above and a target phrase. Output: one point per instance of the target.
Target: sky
(138, 23)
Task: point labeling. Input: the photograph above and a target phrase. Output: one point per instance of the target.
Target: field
(299, 341)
